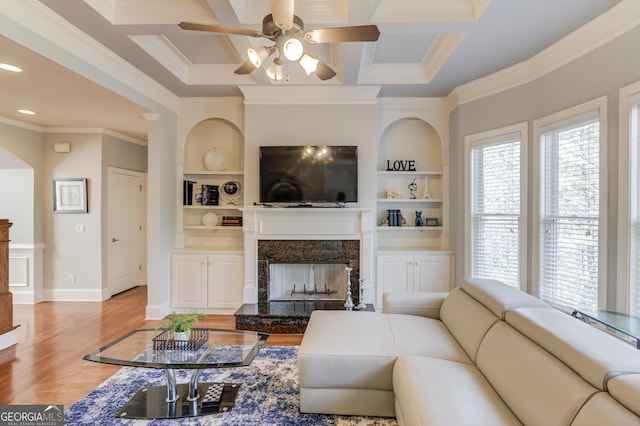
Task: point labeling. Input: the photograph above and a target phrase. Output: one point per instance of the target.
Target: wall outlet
(72, 278)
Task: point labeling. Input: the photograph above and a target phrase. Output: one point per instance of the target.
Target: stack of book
(231, 220)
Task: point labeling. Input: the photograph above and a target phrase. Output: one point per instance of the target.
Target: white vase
(181, 335)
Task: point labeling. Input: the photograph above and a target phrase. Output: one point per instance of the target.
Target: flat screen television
(308, 174)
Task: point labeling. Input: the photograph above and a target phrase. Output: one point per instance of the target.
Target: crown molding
(413, 104)
(310, 95)
(212, 103)
(94, 130)
(21, 124)
(35, 26)
(613, 23)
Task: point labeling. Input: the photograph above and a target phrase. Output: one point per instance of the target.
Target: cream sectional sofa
(483, 354)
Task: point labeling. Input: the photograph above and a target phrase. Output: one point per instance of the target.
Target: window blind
(570, 205)
(634, 204)
(495, 212)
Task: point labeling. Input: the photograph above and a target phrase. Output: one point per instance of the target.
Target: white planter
(181, 335)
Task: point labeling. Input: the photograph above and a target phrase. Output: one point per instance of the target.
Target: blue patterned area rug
(268, 395)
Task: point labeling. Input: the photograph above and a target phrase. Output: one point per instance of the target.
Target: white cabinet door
(188, 281)
(413, 272)
(225, 281)
(394, 273)
(432, 272)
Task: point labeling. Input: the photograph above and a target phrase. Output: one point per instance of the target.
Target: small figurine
(418, 218)
(413, 187)
(427, 194)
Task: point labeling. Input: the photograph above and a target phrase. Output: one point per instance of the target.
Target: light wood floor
(46, 366)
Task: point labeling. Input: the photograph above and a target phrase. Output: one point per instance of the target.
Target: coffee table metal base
(151, 402)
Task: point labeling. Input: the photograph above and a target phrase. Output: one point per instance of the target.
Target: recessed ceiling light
(12, 68)
(26, 111)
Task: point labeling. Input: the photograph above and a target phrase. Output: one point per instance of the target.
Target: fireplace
(282, 263)
(314, 238)
(307, 281)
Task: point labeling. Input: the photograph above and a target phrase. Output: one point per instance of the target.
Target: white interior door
(125, 230)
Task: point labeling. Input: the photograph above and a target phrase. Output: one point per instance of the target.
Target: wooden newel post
(6, 298)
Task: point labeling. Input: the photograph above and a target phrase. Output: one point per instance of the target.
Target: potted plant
(179, 325)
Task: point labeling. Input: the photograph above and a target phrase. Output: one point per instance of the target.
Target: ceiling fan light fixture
(292, 49)
(258, 55)
(308, 63)
(275, 71)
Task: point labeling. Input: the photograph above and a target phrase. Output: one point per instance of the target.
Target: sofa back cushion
(602, 409)
(590, 352)
(466, 319)
(626, 390)
(539, 388)
(499, 297)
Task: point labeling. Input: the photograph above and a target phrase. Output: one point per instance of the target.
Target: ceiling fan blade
(338, 34)
(282, 12)
(324, 71)
(222, 29)
(246, 68)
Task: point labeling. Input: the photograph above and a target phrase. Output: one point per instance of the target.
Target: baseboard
(75, 295)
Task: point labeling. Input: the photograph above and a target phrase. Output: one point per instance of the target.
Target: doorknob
(113, 240)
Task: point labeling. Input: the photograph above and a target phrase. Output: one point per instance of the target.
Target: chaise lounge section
(483, 354)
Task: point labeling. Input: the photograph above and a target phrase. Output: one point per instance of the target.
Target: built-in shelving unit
(198, 231)
(410, 179)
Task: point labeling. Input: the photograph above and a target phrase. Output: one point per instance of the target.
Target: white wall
(16, 203)
(313, 125)
(70, 253)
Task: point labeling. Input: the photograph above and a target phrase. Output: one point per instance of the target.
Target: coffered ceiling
(426, 48)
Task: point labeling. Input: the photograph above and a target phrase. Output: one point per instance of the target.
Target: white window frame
(494, 137)
(540, 126)
(628, 95)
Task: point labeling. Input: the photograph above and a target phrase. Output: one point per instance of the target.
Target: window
(494, 222)
(569, 225)
(629, 201)
(634, 202)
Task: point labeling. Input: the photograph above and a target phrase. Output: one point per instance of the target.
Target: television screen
(308, 174)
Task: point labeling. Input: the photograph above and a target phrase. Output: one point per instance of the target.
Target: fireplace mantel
(282, 223)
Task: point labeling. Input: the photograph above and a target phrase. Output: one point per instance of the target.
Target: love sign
(401, 166)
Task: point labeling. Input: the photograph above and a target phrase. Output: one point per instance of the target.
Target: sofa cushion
(347, 349)
(590, 352)
(425, 304)
(602, 409)
(416, 335)
(539, 388)
(466, 319)
(499, 297)
(432, 391)
(626, 390)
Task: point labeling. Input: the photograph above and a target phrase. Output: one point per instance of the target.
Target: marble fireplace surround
(280, 234)
(307, 251)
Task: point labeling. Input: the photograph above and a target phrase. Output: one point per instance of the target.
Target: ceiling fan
(286, 31)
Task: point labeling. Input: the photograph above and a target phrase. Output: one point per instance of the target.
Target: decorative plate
(209, 219)
(216, 159)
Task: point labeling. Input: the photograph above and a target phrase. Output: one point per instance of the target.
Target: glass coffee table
(207, 348)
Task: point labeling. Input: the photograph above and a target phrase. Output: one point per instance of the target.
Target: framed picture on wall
(70, 195)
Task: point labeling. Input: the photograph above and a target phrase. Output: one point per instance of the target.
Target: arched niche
(411, 139)
(210, 133)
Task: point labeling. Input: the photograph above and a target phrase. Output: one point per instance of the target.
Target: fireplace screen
(308, 281)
